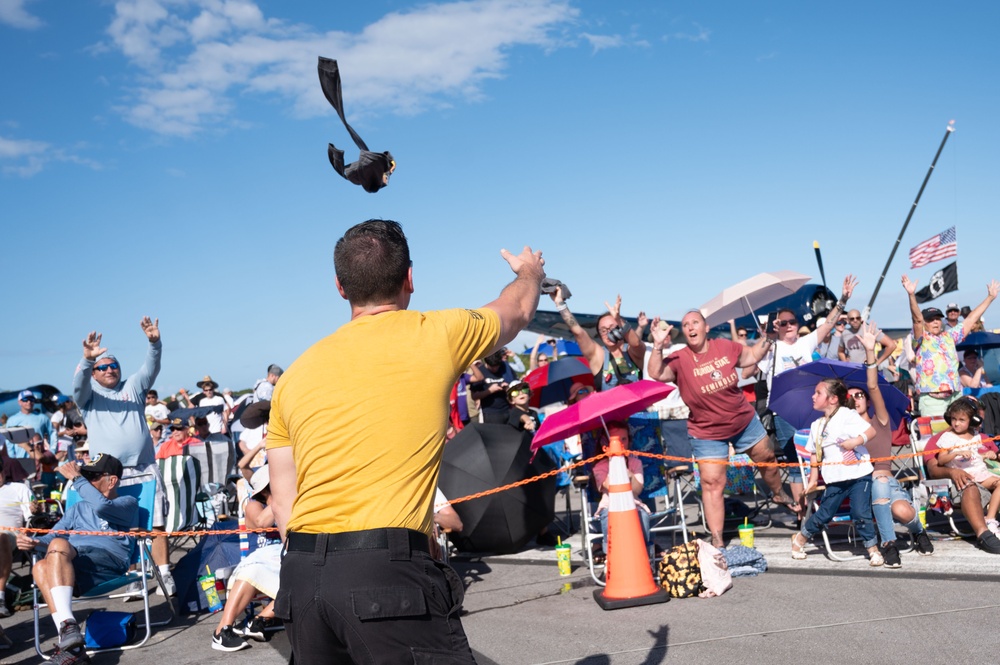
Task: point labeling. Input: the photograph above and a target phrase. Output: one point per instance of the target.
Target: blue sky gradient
(169, 158)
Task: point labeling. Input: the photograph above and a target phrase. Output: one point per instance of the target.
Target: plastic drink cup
(55, 495)
(563, 558)
(923, 517)
(207, 582)
(746, 534)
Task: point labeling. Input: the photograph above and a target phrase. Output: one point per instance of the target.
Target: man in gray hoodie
(114, 413)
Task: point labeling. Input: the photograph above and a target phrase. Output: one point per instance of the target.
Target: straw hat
(208, 380)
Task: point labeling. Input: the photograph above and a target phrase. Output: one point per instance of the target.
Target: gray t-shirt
(853, 348)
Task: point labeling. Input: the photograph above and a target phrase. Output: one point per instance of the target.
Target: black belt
(371, 539)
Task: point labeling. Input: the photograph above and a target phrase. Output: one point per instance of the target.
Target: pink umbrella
(618, 403)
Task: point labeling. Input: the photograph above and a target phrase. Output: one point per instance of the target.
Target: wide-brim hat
(259, 481)
(208, 380)
(256, 414)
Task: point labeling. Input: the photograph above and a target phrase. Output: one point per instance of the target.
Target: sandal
(798, 548)
(786, 501)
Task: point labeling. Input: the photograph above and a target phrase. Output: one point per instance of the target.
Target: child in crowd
(962, 448)
(521, 417)
(838, 437)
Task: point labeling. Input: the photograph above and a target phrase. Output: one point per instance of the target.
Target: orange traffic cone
(628, 575)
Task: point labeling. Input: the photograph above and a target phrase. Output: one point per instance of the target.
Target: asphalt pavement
(518, 609)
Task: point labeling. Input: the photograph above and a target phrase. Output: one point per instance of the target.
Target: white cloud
(600, 42)
(14, 14)
(25, 158)
(198, 55)
(700, 34)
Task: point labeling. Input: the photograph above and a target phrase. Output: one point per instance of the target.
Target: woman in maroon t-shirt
(706, 375)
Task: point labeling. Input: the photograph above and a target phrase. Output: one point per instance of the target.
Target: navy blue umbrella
(563, 346)
(792, 391)
(551, 383)
(979, 340)
(196, 412)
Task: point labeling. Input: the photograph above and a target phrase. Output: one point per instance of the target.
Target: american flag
(942, 246)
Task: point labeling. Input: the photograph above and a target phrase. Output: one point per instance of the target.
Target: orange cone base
(658, 596)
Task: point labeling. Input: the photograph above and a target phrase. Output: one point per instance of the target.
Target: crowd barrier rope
(504, 488)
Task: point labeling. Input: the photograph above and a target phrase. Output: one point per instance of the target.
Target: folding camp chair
(181, 479)
(141, 557)
(216, 458)
(936, 494)
(841, 520)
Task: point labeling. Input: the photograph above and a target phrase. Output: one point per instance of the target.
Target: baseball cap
(102, 464)
(178, 423)
(26, 395)
(953, 307)
(517, 385)
(932, 313)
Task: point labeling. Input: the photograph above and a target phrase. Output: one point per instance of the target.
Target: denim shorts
(742, 442)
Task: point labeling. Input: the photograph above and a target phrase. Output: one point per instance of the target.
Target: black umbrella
(484, 457)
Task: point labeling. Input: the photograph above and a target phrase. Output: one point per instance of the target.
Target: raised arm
(588, 347)
(888, 347)
(518, 301)
(867, 335)
(636, 349)
(750, 356)
(918, 319)
(847, 290)
(975, 315)
(146, 375)
(92, 350)
(533, 358)
(660, 370)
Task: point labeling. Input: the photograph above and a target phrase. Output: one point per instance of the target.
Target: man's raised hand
(909, 285)
(849, 283)
(151, 328)
(92, 348)
(527, 263)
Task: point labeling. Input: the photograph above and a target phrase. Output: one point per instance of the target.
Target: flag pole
(892, 254)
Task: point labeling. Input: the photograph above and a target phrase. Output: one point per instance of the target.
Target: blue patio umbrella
(563, 346)
(979, 340)
(792, 390)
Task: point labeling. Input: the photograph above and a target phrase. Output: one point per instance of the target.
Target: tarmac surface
(518, 610)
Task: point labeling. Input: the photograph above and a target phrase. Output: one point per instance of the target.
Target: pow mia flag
(943, 281)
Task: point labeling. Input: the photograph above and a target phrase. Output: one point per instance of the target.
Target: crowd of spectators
(89, 440)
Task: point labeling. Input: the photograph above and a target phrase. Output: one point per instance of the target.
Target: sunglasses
(27, 399)
(841, 322)
(786, 322)
(519, 392)
(105, 368)
(856, 395)
(583, 391)
(741, 335)
(854, 318)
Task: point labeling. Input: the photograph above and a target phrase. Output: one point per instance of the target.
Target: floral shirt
(937, 364)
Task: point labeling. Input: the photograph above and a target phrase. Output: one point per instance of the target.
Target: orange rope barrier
(496, 490)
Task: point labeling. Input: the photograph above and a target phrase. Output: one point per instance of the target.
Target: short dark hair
(789, 311)
(152, 393)
(371, 261)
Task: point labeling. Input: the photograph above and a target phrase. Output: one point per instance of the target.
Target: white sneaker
(168, 586)
(132, 592)
(994, 526)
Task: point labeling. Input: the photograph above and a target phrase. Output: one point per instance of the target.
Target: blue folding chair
(141, 557)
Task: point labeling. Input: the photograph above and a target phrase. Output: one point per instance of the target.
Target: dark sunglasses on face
(854, 318)
(105, 368)
(856, 395)
(786, 322)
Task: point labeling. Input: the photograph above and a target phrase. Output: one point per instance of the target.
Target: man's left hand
(151, 328)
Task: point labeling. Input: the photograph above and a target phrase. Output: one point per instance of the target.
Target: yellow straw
(745, 519)
(558, 541)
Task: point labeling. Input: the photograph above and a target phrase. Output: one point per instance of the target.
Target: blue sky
(169, 158)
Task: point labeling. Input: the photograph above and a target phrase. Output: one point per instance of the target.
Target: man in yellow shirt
(353, 474)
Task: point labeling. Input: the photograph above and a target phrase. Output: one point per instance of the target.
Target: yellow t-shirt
(365, 411)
